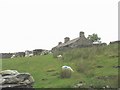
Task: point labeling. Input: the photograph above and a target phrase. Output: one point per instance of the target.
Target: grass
(46, 69)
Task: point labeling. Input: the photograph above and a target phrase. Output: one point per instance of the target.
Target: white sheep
(67, 68)
(30, 55)
(66, 71)
(13, 56)
(59, 56)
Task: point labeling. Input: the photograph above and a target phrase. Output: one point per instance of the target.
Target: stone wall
(37, 51)
(20, 54)
(115, 42)
(6, 55)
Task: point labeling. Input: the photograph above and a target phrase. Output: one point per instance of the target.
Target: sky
(41, 24)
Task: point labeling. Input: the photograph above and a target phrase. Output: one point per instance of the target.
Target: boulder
(12, 78)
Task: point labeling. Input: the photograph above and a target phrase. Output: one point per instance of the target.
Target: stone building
(37, 51)
(78, 42)
(20, 54)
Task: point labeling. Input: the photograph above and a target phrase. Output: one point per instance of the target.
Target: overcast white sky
(41, 24)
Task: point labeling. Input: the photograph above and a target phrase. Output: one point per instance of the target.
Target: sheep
(67, 67)
(66, 71)
(59, 56)
(45, 52)
(13, 56)
(29, 55)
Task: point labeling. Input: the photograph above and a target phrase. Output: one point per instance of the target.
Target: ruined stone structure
(37, 51)
(115, 42)
(20, 54)
(79, 42)
(27, 53)
(9, 55)
(6, 55)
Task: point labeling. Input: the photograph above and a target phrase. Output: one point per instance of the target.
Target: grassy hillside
(93, 65)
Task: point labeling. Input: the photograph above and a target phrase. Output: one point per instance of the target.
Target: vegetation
(94, 37)
(92, 65)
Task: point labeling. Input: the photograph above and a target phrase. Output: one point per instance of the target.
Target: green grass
(46, 69)
(40, 67)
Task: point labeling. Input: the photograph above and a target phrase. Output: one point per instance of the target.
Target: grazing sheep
(13, 56)
(59, 56)
(30, 55)
(45, 52)
(66, 72)
(67, 67)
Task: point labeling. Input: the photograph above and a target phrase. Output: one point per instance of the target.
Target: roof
(68, 43)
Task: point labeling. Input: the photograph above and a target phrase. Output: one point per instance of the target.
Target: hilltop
(93, 65)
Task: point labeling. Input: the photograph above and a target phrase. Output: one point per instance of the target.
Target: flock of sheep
(65, 70)
(30, 53)
(26, 55)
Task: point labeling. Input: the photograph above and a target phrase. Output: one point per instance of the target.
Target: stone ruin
(79, 42)
(14, 79)
(6, 55)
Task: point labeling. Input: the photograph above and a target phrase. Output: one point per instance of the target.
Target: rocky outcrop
(14, 79)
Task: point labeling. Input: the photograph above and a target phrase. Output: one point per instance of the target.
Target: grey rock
(13, 78)
(9, 72)
(10, 79)
(2, 81)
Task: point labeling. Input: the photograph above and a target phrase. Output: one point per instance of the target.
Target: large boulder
(12, 78)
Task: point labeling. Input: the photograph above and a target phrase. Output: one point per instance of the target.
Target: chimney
(66, 39)
(81, 34)
(59, 43)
